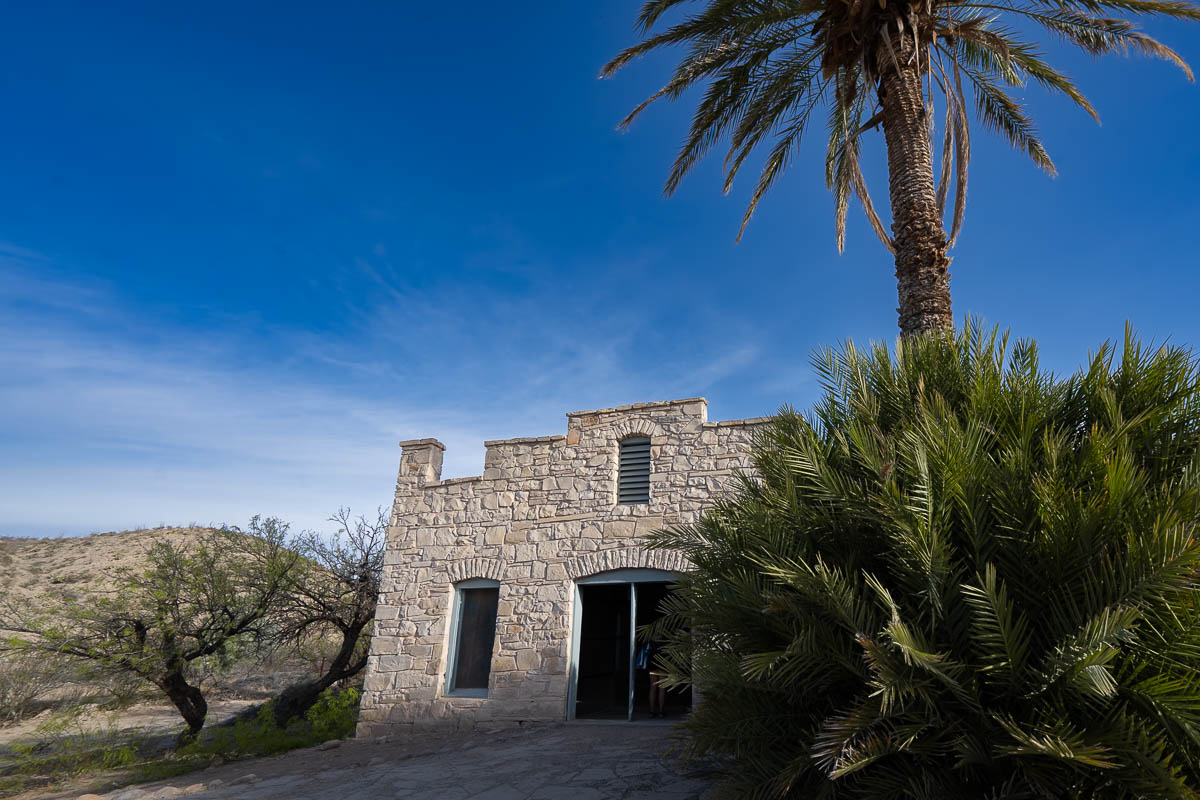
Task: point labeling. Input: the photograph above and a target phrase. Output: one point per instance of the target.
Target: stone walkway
(571, 761)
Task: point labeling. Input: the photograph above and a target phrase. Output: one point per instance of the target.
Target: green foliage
(65, 748)
(334, 716)
(328, 613)
(958, 576)
(772, 71)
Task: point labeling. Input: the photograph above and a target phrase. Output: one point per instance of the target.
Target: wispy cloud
(103, 428)
(113, 417)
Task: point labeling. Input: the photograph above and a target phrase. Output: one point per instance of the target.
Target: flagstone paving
(572, 761)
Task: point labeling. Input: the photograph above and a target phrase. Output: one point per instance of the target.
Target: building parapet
(639, 406)
(738, 423)
(424, 456)
(415, 443)
(522, 440)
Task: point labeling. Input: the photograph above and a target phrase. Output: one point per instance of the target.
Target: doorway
(609, 610)
(602, 685)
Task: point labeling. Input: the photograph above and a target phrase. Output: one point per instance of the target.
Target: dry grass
(35, 568)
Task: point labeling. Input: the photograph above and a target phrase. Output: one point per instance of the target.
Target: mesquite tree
(189, 603)
(333, 596)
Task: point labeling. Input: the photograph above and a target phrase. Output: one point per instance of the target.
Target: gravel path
(572, 761)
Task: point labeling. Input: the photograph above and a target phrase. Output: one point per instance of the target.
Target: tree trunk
(188, 699)
(298, 698)
(922, 266)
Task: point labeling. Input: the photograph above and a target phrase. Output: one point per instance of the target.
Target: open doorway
(648, 607)
(609, 610)
(603, 684)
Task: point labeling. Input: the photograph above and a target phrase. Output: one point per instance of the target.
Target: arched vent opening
(633, 475)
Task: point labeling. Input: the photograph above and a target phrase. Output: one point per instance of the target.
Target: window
(633, 475)
(472, 637)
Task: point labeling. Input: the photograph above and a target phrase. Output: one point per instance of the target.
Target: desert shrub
(120, 690)
(333, 716)
(958, 576)
(65, 747)
(32, 683)
(27, 682)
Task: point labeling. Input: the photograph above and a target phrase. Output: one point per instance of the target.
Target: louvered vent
(633, 476)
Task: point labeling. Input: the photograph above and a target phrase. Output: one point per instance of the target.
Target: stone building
(514, 596)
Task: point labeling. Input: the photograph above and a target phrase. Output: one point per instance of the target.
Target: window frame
(455, 635)
(639, 437)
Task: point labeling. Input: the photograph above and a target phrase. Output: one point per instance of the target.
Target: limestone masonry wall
(543, 514)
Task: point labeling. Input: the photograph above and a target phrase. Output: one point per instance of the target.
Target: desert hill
(33, 568)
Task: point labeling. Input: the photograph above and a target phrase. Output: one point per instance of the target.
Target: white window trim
(455, 630)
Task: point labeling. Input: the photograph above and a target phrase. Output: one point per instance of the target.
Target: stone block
(395, 663)
(377, 680)
(620, 530)
(528, 660)
(647, 525)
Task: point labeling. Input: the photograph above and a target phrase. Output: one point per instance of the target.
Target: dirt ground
(149, 717)
(571, 761)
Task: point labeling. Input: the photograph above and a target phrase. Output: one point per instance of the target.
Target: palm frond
(959, 575)
(767, 65)
(843, 174)
(1005, 116)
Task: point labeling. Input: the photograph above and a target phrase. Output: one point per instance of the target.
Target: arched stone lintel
(636, 427)
(491, 568)
(591, 563)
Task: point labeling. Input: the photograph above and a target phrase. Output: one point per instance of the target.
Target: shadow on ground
(571, 761)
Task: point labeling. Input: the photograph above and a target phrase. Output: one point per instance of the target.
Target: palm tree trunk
(922, 266)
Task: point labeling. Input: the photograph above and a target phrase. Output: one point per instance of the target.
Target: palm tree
(769, 65)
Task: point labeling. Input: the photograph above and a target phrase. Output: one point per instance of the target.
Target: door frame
(630, 577)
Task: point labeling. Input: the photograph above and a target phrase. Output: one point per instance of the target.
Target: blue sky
(245, 248)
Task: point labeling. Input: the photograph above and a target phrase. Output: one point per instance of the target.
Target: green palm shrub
(959, 576)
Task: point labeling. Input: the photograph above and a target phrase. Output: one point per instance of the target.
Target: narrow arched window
(633, 474)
